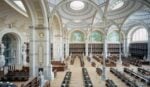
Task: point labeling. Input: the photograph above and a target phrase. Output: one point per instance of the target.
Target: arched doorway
(11, 53)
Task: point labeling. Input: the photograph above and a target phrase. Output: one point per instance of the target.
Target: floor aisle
(77, 78)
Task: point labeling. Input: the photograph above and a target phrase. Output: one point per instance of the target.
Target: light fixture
(77, 5)
(77, 21)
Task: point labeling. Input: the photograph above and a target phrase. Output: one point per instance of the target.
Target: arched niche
(56, 38)
(18, 36)
(12, 51)
(96, 36)
(56, 28)
(77, 37)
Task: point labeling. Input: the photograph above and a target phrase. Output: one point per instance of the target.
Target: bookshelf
(138, 50)
(96, 48)
(114, 48)
(76, 48)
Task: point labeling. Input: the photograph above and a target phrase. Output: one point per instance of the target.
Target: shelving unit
(114, 48)
(138, 50)
(96, 48)
(77, 48)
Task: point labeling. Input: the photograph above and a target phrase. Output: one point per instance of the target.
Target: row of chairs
(86, 77)
(125, 63)
(66, 80)
(114, 58)
(93, 64)
(16, 75)
(97, 58)
(89, 59)
(141, 77)
(99, 71)
(32, 82)
(81, 61)
(144, 71)
(122, 77)
(72, 60)
(135, 62)
(110, 83)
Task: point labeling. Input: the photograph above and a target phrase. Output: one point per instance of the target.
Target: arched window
(113, 37)
(77, 36)
(96, 36)
(11, 45)
(140, 35)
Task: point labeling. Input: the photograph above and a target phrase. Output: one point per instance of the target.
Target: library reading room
(74, 43)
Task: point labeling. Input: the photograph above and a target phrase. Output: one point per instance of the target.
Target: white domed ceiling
(81, 13)
(76, 10)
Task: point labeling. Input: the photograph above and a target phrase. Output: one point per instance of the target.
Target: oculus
(77, 5)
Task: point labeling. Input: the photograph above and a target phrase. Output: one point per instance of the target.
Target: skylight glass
(116, 4)
(140, 35)
(77, 5)
(20, 4)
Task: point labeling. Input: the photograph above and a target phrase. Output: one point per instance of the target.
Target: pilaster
(86, 48)
(39, 51)
(148, 55)
(104, 57)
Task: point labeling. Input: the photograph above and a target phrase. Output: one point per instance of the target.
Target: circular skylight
(77, 5)
(116, 4)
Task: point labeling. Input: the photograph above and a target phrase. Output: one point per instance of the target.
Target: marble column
(65, 48)
(120, 46)
(62, 53)
(60, 49)
(148, 55)
(125, 47)
(68, 46)
(86, 48)
(104, 57)
(105, 48)
(49, 75)
(32, 52)
(2, 57)
(39, 52)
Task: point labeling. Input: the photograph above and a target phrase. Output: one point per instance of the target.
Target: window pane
(113, 37)
(20, 4)
(140, 35)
